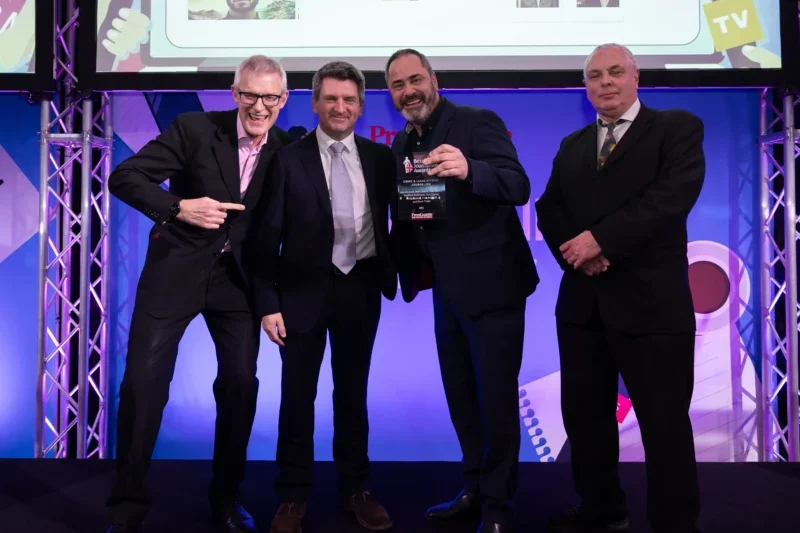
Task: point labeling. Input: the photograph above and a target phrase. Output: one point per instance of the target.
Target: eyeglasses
(269, 100)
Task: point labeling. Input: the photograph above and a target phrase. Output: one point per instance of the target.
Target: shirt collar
(245, 138)
(630, 114)
(324, 140)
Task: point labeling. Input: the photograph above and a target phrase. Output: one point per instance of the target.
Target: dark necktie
(609, 143)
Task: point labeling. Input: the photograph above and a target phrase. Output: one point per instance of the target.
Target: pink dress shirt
(248, 160)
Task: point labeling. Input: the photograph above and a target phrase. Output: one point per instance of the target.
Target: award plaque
(419, 196)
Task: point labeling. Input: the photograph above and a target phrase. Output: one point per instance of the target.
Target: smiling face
(338, 106)
(612, 82)
(259, 97)
(414, 90)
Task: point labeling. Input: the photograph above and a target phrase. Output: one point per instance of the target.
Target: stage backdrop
(408, 413)
(19, 256)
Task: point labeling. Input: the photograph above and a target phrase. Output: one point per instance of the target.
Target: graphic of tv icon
(723, 403)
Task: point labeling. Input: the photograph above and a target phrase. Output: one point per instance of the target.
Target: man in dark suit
(215, 163)
(480, 267)
(614, 215)
(324, 263)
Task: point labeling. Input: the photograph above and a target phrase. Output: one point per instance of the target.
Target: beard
(419, 114)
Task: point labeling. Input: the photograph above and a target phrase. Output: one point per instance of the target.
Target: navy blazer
(199, 155)
(295, 238)
(481, 259)
(636, 207)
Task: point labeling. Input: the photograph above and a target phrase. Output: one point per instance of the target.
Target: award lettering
(419, 196)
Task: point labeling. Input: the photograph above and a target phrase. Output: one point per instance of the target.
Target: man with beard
(325, 260)
(480, 268)
(246, 10)
(215, 163)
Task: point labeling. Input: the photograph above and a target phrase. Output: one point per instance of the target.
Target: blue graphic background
(408, 413)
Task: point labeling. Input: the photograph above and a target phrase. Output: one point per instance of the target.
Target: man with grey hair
(324, 263)
(625, 306)
(197, 264)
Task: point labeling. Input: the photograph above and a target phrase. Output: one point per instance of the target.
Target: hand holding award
(449, 162)
(421, 196)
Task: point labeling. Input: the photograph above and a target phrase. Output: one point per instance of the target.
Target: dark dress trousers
(296, 277)
(637, 318)
(186, 275)
(481, 270)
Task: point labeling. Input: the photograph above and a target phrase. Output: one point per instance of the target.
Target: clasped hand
(583, 252)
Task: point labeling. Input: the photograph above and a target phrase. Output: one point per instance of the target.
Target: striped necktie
(609, 143)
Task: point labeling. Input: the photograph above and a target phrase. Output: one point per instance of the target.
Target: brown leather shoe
(368, 512)
(289, 518)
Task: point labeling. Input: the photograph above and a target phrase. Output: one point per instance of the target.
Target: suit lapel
(638, 127)
(443, 125)
(272, 145)
(367, 158)
(312, 162)
(226, 152)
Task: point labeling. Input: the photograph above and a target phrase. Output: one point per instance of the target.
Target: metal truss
(779, 402)
(73, 257)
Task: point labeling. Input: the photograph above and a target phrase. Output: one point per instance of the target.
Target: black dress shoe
(578, 520)
(230, 517)
(493, 527)
(466, 505)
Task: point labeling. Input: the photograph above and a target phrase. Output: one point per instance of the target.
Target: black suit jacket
(199, 155)
(481, 259)
(295, 239)
(636, 208)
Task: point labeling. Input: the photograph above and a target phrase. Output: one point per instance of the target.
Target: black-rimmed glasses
(269, 100)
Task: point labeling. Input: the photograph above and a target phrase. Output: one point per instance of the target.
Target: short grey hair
(608, 46)
(408, 52)
(261, 64)
(342, 71)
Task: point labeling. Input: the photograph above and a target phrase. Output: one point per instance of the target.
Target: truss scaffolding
(75, 160)
(73, 337)
(780, 403)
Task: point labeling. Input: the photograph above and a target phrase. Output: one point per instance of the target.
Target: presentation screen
(17, 36)
(484, 35)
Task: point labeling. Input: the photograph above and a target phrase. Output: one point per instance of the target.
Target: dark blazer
(636, 207)
(295, 238)
(199, 155)
(479, 254)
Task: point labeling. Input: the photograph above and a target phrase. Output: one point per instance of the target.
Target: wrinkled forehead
(260, 82)
(609, 59)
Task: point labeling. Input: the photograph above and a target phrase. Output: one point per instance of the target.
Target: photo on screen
(156, 36)
(598, 3)
(537, 3)
(242, 9)
(17, 36)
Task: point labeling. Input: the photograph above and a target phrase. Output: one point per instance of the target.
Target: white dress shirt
(619, 129)
(365, 233)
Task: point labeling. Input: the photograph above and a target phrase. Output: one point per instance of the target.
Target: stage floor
(51, 496)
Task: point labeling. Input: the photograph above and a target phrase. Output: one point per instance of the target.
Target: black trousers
(480, 359)
(223, 301)
(351, 314)
(658, 371)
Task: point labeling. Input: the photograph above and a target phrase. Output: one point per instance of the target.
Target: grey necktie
(344, 220)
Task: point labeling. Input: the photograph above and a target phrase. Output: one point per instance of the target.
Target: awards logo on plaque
(419, 196)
